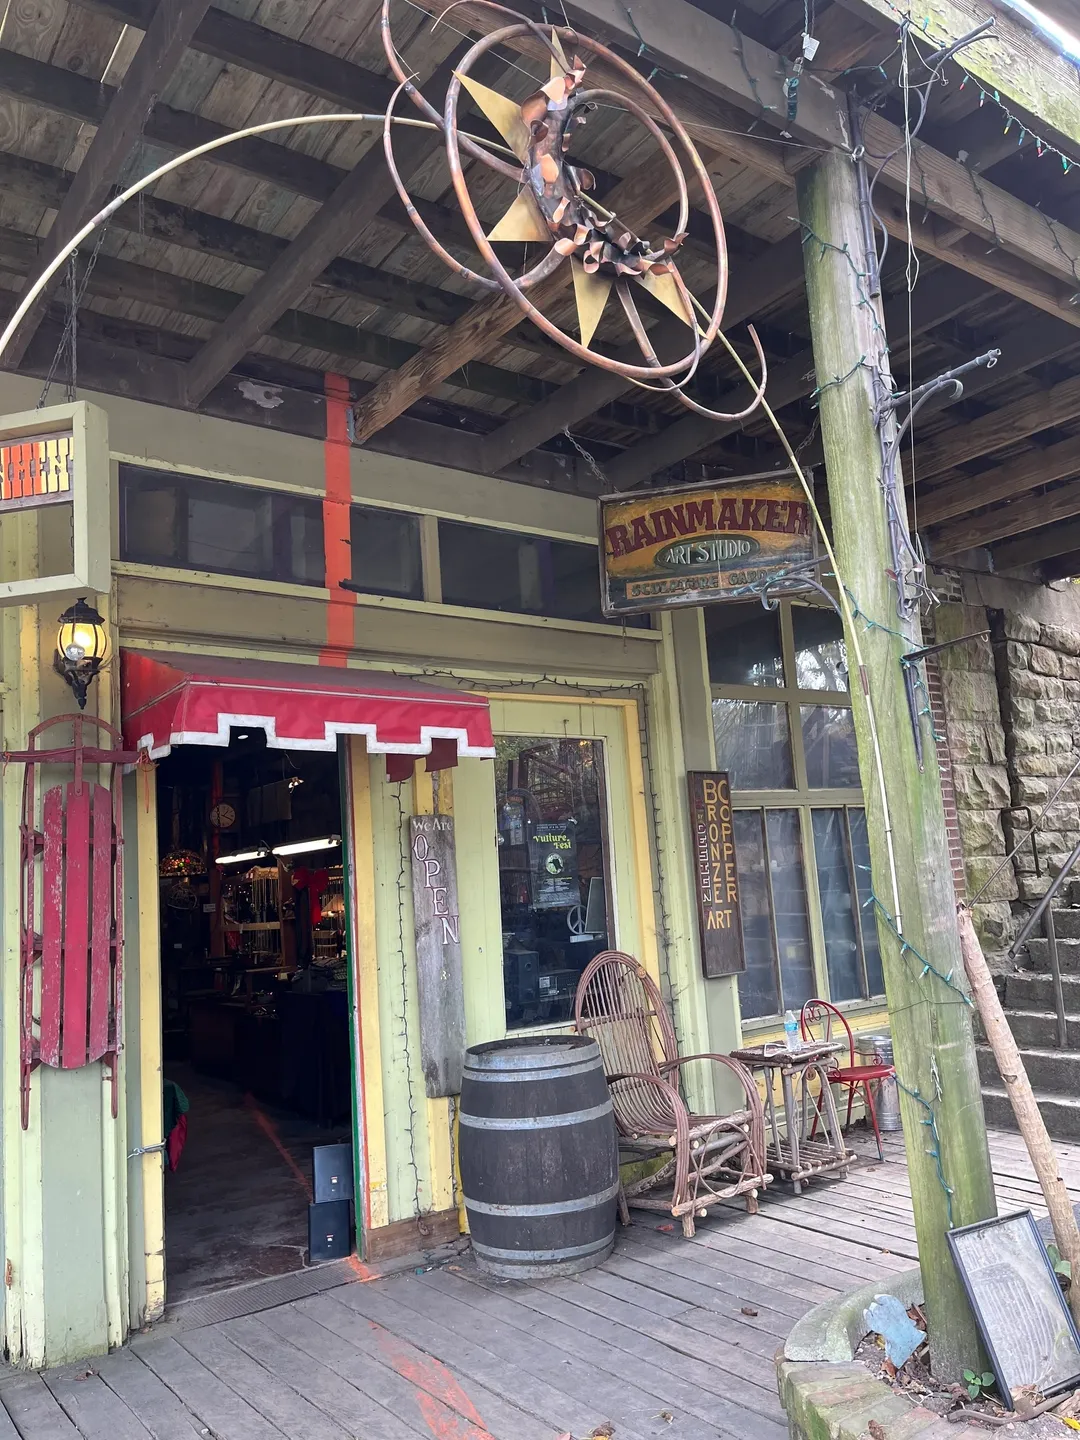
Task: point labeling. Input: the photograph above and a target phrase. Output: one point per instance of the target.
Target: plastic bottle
(791, 1030)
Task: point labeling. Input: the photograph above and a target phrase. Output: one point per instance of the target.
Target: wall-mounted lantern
(82, 647)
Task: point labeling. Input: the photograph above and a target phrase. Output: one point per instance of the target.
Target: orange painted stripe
(443, 1402)
(337, 458)
(266, 1125)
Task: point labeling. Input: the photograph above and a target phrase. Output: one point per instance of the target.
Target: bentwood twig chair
(709, 1158)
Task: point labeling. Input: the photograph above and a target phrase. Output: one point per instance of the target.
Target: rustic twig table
(806, 1140)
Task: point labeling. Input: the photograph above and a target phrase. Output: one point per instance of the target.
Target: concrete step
(1057, 1072)
(1032, 991)
(1061, 1112)
(1038, 955)
(1067, 924)
(1037, 1029)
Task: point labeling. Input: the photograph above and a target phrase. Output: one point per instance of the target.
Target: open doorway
(255, 1015)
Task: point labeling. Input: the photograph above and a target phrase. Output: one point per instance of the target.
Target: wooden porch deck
(670, 1340)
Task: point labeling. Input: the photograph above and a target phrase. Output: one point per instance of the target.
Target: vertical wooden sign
(716, 879)
(439, 982)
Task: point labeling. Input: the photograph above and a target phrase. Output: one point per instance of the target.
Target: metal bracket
(912, 657)
(147, 1150)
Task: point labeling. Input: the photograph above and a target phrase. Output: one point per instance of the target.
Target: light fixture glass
(241, 855)
(82, 647)
(183, 863)
(301, 847)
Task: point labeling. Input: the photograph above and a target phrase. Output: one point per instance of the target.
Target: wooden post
(931, 1018)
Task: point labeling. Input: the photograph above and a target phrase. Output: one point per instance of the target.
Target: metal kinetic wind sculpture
(554, 204)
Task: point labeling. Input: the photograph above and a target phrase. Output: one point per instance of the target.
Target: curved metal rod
(484, 281)
(588, 97)
(644, 340)
(511, 287)
(406, 83)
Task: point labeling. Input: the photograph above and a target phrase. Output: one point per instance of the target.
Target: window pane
(386, 552)
(743, 643)
(230, 531)
(832, 760)
(753, 744)
(757, 983)
(151, 530)
(789, 901)
(553, 868)
(820, 649)
(303, 560)
(860, 850)
(837, 912)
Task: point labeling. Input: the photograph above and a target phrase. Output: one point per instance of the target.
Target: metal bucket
(887, 1098)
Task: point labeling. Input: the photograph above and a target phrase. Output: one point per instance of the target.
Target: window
(784, 731)
(551, 808)
(216, 525)
(527, 574)
(386, 552)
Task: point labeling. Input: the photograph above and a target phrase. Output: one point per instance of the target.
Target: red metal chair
(830, 1021)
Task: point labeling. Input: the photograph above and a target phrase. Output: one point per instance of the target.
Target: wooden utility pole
(940, 1101)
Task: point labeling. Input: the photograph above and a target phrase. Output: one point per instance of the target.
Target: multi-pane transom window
(784, 731)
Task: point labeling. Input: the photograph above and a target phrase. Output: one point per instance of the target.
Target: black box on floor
(333, 1166)
(329, 1230)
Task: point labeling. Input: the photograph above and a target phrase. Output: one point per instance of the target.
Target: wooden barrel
(539, 1156)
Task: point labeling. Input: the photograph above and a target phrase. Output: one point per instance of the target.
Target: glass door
(558, 859)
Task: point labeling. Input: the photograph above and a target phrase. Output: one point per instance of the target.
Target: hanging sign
(439, 981)
(716, 879)
(554, 864)
(699, 543)
(56, 461)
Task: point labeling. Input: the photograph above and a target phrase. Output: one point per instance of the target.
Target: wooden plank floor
(670, 1340)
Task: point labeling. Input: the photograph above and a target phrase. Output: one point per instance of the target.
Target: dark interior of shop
(254, 1003)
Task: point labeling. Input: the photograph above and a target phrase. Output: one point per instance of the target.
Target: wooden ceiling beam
(140, 362)
(1029, 512)
(160, 51)
(1001, 427)
(939, 296)
(363, 192)
(764, 281)
(637, 200)
(1028, 471)
(1012, 60)
(81, 98)
(1039, 546)
(125, 280)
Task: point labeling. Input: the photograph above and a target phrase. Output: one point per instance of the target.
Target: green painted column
(931, 1023)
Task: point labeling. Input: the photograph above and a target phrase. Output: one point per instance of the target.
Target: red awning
(196, 699)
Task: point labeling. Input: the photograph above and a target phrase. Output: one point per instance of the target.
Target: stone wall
(1011, 704)
(1038, 667)
(976, 742)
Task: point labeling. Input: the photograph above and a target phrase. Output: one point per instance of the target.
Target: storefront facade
(608, 717)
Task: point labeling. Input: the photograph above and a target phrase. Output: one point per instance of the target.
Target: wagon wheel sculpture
(556, 205)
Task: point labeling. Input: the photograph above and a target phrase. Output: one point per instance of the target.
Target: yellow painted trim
(174, 575)
(639, 802)
(440, 1158)
(151, 1125)
(375, 1207)
(286, 487)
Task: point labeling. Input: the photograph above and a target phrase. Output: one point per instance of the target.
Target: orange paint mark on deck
(267, 1126)
(443, 1403)
(337, 522)
(360, 1270)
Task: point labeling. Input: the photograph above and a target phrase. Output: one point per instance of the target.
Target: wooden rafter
(1029, 512)
(940, 295)
(162, 47)
(1038, 547)
(764, 281)
(363, 193)
(637, 199)
(1003, 426)
(1035, 467)
(1011, 59)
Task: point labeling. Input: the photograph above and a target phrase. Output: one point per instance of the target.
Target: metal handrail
(1043, 908)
